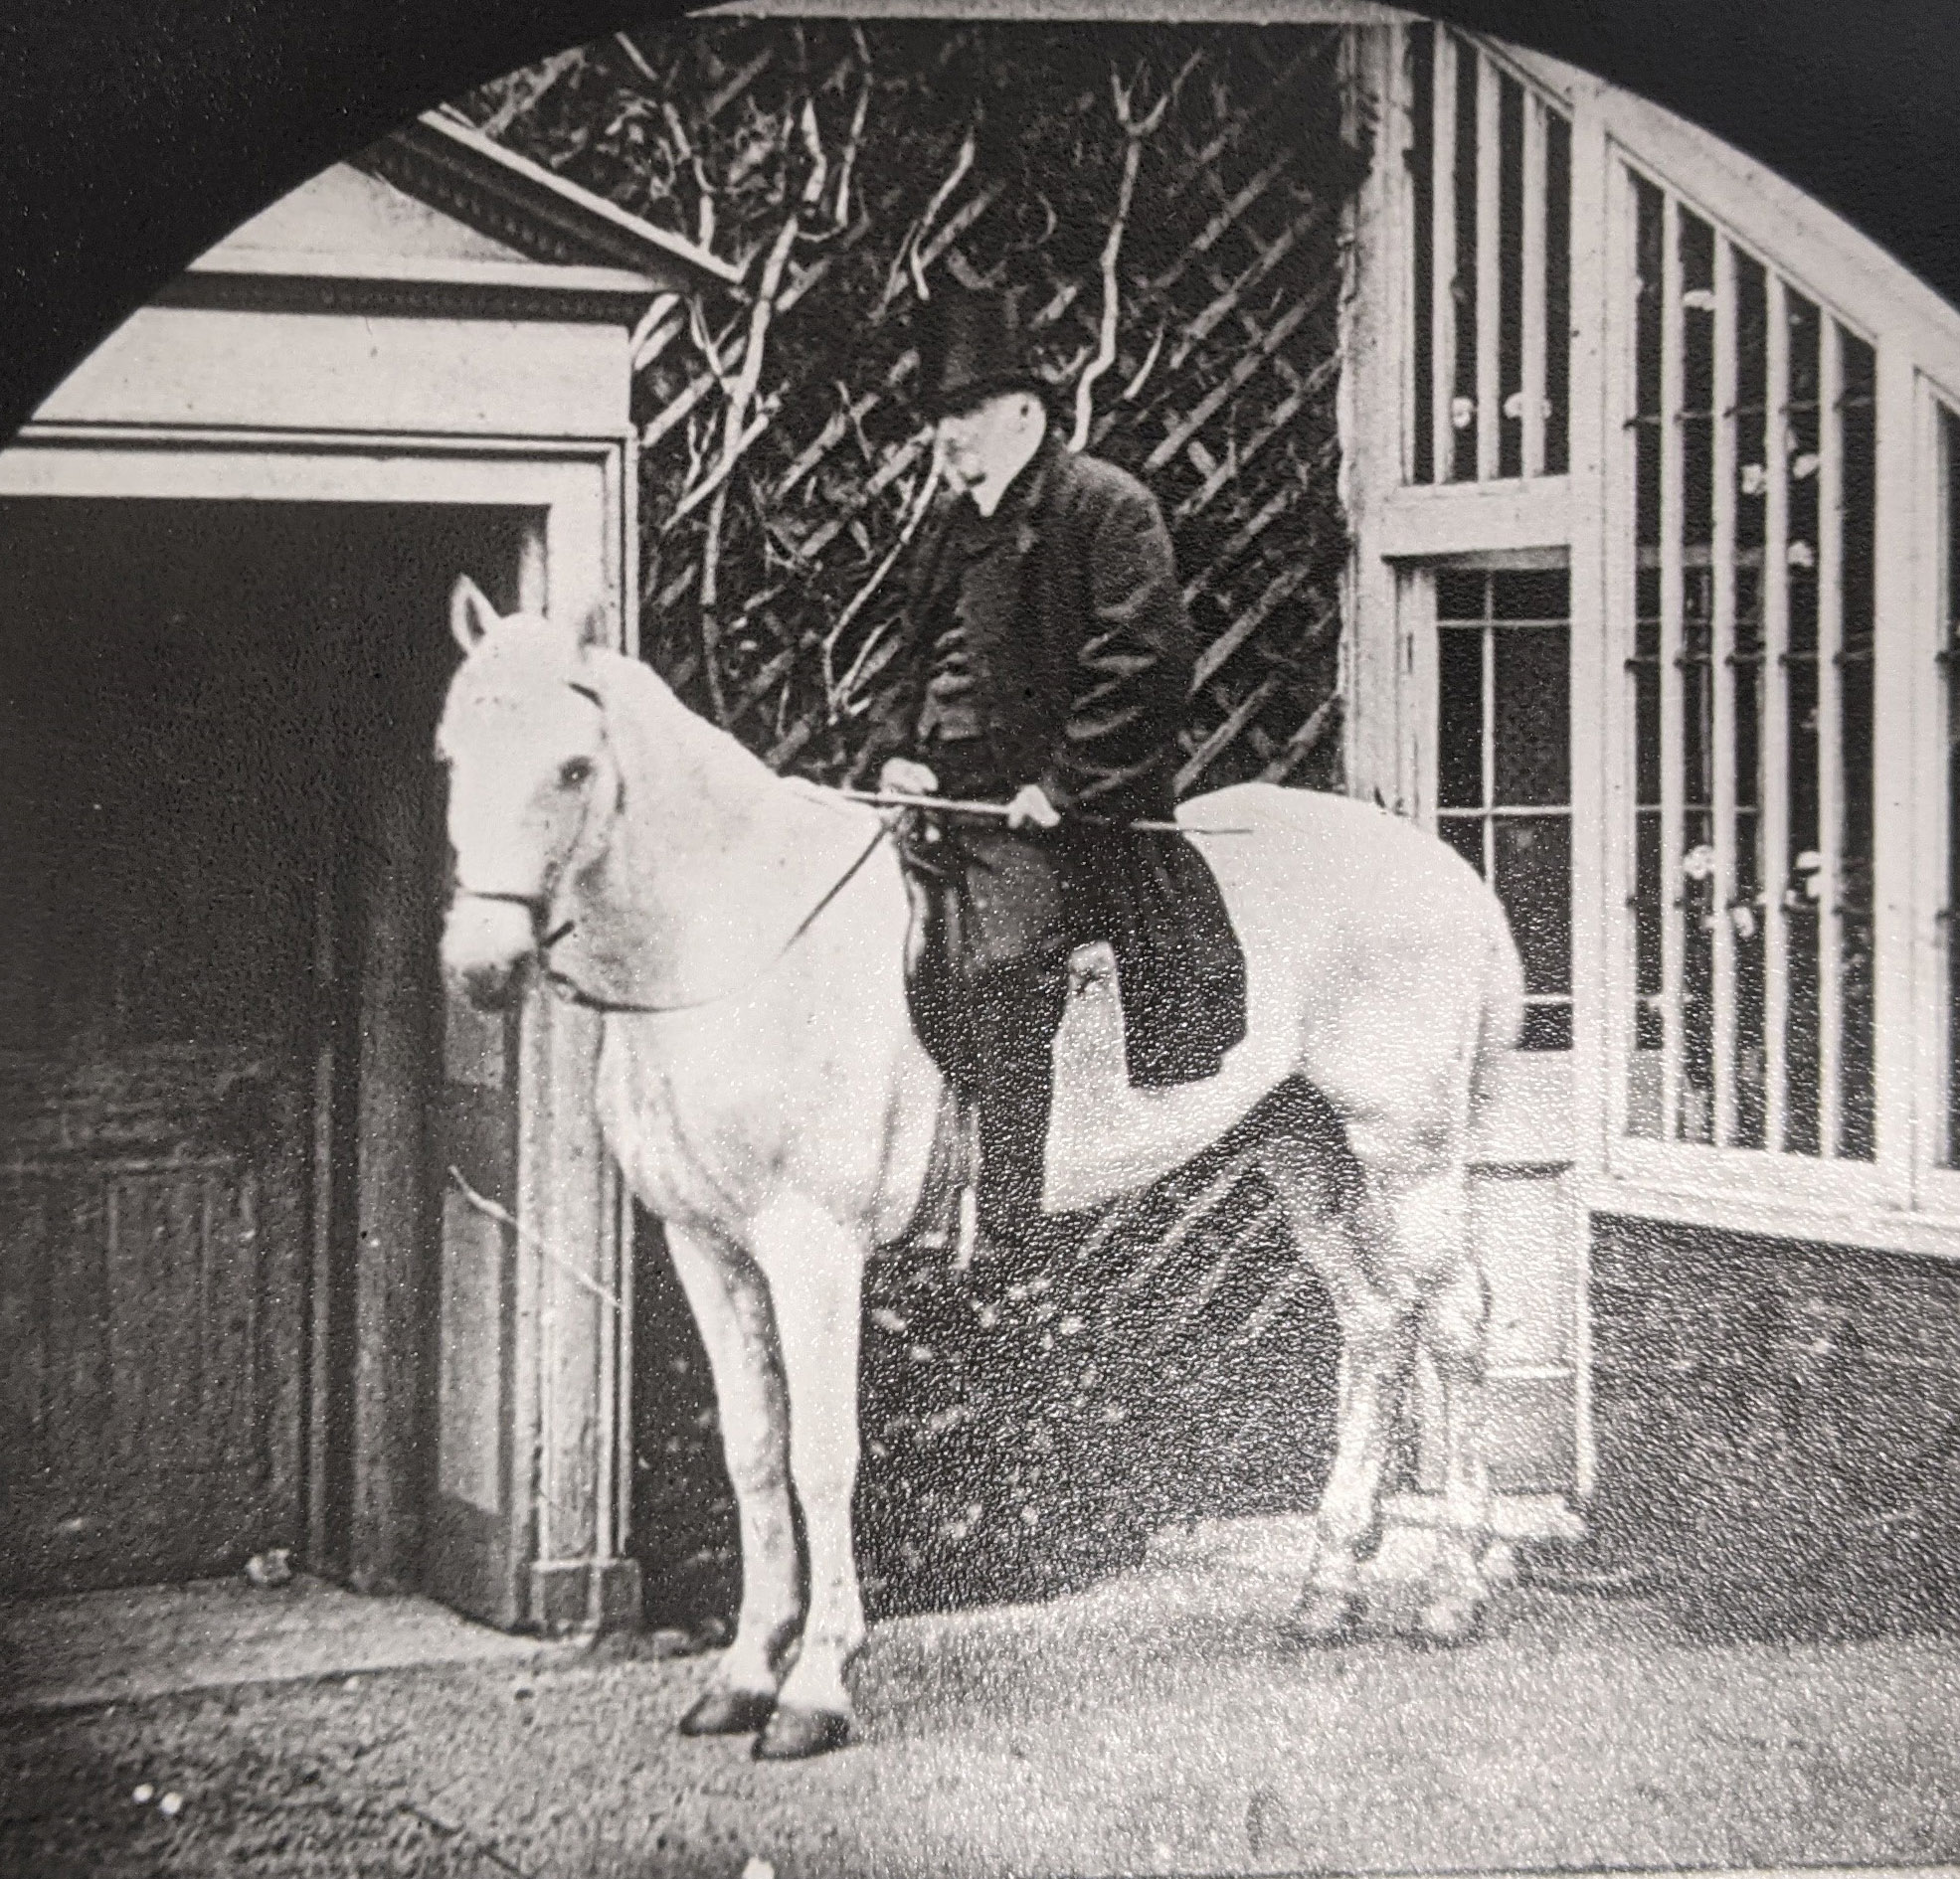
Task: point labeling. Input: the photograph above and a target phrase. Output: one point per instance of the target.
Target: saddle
(982, 903)
(983, 900)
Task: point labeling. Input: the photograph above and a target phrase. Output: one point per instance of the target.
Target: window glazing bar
(1443, 271)
(1532, 377)
(1775, 700)
(1826, 881)
(1722, 680)
(1672, 742)
(1490, 298)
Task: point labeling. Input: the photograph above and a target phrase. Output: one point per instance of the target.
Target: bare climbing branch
(838, 693)
(738, 395)
(694, 492)
(1134, 130)
(710, 595)
(526, 90)
(685, 152)
(906, 261)
(1135, 385)
(819, 162)
(853, 139)
(708, 347)
(624, 43)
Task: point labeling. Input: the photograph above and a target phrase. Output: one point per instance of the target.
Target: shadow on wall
(1029, 1421)
(1779, 1433)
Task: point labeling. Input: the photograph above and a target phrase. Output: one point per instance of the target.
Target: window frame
(1686, 1167)
(1931, 937)
(1904, 1198)
(1424, 625)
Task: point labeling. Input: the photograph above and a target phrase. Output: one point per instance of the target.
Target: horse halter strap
(537, 903)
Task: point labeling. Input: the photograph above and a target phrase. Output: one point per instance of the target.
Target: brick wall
(1778, 1430)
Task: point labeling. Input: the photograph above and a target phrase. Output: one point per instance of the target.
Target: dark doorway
(218, 1000)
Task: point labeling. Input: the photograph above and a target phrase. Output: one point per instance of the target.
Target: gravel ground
(1156, 1723)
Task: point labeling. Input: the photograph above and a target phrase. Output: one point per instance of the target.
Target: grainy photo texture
(990, 944)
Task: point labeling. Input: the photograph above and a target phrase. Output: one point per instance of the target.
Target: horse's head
(532, 784)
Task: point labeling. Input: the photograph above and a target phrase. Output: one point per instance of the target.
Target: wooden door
(155, 1078)
(475, 1553)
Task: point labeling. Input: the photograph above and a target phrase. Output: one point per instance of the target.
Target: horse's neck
(709, 843)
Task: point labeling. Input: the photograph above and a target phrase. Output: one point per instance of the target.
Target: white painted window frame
(1905, 1200)
(1697, 1178)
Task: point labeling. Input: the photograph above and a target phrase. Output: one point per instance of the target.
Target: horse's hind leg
(731, 1305)
(1377, 1332)
(1454, 1323)
(1422, 1247)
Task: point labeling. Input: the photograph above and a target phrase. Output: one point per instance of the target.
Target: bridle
(569, 989)
(538, 907)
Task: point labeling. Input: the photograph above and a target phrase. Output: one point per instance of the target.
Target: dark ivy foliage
(990, 154)
(1026, 1423)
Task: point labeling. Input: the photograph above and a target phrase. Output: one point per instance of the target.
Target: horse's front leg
(815, 1268)
(731, 1304)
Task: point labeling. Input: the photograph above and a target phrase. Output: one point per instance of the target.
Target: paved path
(1153, 1724)
(152, 1640)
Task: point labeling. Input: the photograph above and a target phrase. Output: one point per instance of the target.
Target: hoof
(1447, 1622)
(728, 1713)
(793, 1734)
(1320, 1617)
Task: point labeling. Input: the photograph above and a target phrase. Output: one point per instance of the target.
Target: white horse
(761, 1087)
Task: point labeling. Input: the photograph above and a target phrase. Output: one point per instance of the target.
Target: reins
(956, 805)
(574, 993)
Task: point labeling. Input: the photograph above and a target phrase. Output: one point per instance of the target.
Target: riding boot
(1018, 1010)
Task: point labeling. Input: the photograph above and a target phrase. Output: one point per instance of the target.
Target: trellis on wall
(1179, 266)
(1169, 206)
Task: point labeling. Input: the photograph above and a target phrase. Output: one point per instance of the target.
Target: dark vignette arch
(138, 135)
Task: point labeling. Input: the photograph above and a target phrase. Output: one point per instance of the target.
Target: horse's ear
(596, 629)
(470, 614)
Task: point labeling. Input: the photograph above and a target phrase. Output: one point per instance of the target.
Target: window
(1752, 445)
(1491, 168)
(1504, 764)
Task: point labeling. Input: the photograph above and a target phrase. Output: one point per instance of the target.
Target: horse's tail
(1503, 1009)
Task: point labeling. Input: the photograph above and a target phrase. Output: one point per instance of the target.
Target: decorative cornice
(445, 162)
(381, 285)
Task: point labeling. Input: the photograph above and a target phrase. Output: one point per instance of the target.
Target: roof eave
(445, 162)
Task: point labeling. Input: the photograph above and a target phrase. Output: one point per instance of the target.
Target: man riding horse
(1047, 666)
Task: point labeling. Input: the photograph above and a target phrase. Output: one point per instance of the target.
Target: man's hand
(901, 776)
(1032, 804)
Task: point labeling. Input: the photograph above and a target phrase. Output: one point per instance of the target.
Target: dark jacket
(1082, 657)
(1081, 649)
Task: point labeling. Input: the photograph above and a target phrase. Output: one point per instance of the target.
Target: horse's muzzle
(484, 941)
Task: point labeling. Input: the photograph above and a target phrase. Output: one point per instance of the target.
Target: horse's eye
(575, 773)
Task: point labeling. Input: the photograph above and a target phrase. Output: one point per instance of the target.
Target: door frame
(568, 1316)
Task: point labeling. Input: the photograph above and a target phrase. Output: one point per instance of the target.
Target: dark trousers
(1014, 1006)
(1016, 1012)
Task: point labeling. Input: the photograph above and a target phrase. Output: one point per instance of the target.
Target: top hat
(970, 349)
